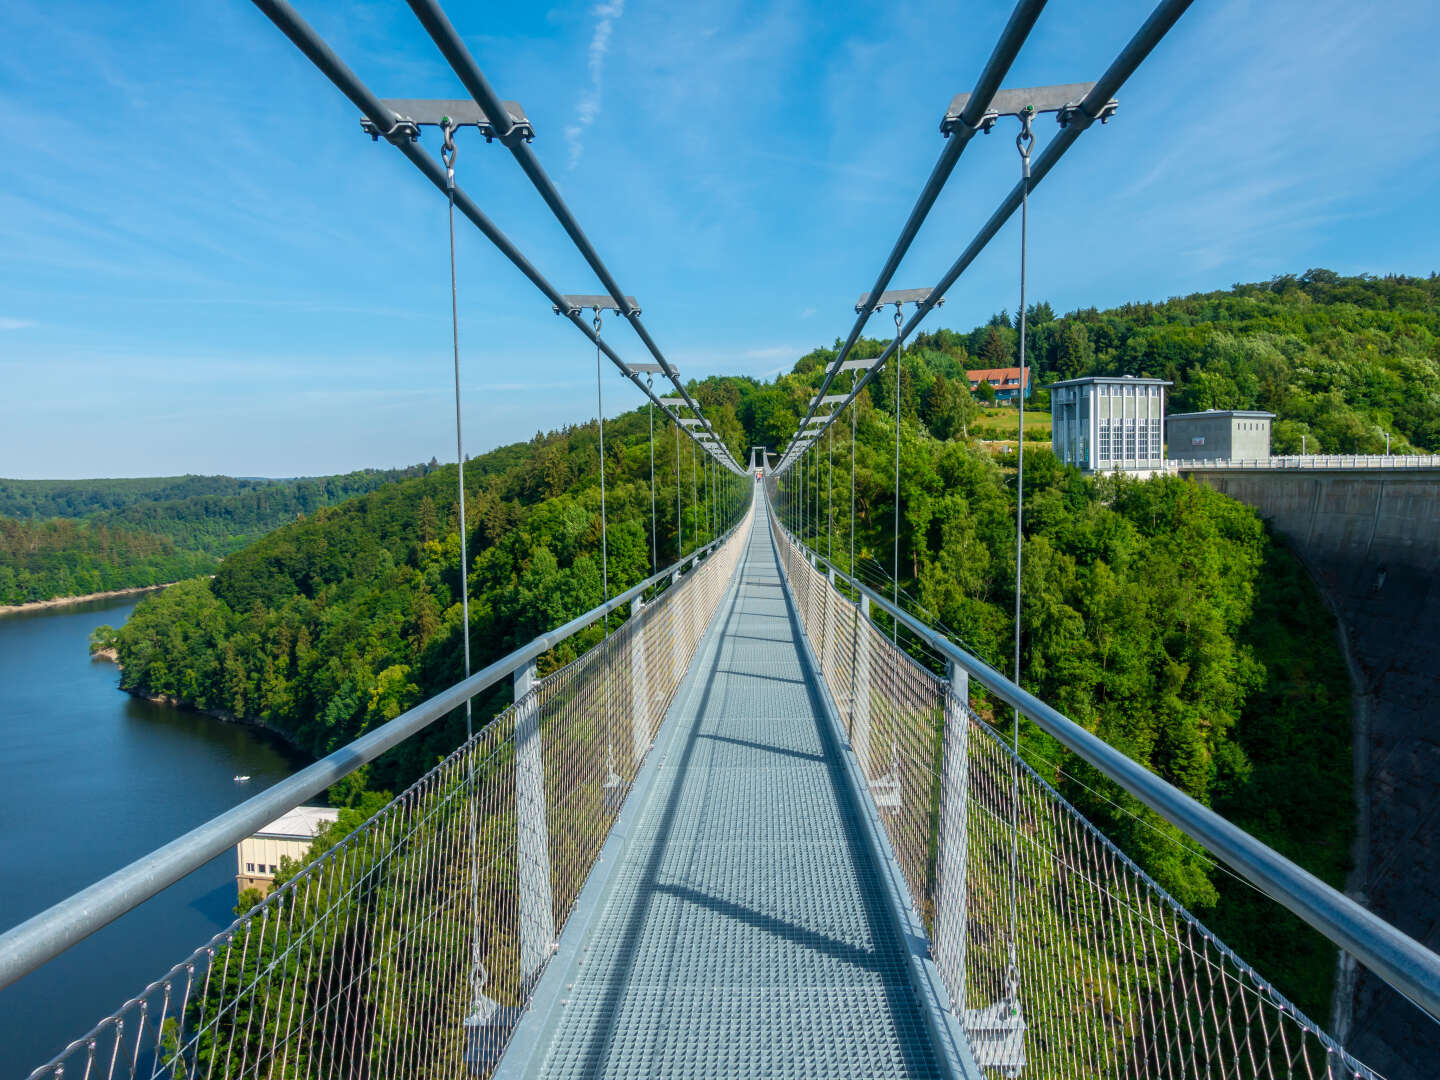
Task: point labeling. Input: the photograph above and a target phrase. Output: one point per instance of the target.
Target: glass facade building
(1109, 423)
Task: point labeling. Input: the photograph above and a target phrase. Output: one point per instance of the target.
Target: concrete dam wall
(1371, 539)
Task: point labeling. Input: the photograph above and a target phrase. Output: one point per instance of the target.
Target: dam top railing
(1314, 462)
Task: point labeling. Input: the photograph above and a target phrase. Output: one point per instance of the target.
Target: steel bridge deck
(742, 929)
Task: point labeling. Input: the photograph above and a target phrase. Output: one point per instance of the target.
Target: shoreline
(66, 601)
(221, 715)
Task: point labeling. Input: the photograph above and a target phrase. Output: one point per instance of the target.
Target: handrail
(1404, 963)
(1279, 462)
(48, 933)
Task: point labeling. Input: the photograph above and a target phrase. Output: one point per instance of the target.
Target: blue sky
(206, 267)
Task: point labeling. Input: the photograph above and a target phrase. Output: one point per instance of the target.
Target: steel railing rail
(437, 24)
(49, 933)
(315, 49)
(1404, 963)
(1121, 68)
(1290, 462)
(1022, 21)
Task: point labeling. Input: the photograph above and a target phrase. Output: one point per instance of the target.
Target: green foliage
(338, 622)
(74, 537)
(102, 639)
(40, 560)
(1160, 615)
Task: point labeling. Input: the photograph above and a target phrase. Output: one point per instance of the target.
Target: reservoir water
(90, 779)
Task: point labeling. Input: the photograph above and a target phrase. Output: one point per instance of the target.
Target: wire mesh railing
(411, 946)
(1061, 956)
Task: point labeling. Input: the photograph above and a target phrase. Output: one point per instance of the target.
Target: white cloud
(7, 323)
(588, 107)
(808, 312)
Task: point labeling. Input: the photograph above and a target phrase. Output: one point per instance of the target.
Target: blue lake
(90, 779)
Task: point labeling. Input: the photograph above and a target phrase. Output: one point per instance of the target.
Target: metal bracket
(688, 421)
(411, 114)
(654, 368)
(573, 305)
(895, 296)
(828, 399)
(1063, 100)
(860, 365)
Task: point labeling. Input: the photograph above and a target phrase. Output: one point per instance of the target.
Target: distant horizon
(284, 308)
(622, 410)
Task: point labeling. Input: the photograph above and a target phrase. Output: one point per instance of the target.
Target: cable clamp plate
(1064, 100)
(411, 114)
(574, 304)
(895, 296)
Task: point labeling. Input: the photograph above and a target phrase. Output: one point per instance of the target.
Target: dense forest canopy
(72, 537)
(1159, 613)
(339, 622)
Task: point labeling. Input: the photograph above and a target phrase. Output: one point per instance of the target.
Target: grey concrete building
(1109, 423)
(1220, 435)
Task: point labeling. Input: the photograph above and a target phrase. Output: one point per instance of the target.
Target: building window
(1156, 449)
(250, 867)
(1104, 440)
(273, 868)
(1130, 439)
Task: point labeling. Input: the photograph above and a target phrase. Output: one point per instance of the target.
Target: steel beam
(1091, 109)
(304, 37)
(443, 33)
(1017, 29)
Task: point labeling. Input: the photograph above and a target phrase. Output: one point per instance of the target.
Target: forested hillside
(1158, 613)
(72, 537)
(44, 559)
(1340, 361)
(334, 624)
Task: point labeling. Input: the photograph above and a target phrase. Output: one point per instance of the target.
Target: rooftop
(1126, 380)
(994, 375)
(1247, 414)
(302, 823)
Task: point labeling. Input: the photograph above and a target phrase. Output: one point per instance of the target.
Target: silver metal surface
(1030, 101)
(366, 961)
(573, 304)
(462, 112)
(45, 935)
(1402, 962)
(1105, 974)
(891, 296)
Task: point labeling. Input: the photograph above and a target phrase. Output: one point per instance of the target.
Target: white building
(259, 856)
(1109, 423)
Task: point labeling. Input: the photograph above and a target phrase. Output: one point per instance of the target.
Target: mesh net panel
(1062, 958)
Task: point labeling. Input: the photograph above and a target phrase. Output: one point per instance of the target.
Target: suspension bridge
(748, 832)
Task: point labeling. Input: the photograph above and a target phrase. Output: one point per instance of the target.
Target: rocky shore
(65, 601)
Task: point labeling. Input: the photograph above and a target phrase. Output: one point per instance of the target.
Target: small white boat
(242, 779)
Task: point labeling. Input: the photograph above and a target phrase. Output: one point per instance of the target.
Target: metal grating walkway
(743, 930)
